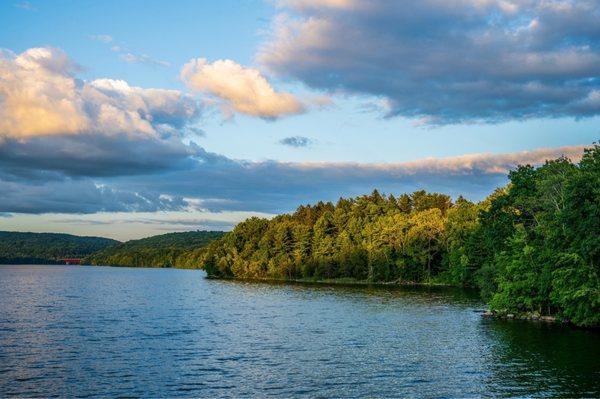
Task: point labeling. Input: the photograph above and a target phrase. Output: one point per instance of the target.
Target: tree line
(182, 250)
(47, 248)
(530, 247)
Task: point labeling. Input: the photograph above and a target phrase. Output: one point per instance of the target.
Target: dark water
(93, 331)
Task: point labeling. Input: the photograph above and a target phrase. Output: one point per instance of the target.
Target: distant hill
(47, 248)
(166, 250)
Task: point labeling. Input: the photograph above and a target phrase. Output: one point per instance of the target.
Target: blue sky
(362, 86)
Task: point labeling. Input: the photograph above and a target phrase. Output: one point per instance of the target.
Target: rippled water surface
(99, 331)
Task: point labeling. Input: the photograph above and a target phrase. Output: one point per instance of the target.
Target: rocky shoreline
(531, 316)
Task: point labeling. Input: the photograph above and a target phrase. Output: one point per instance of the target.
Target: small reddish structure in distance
(72, 261)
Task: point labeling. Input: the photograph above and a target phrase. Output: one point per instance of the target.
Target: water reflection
(161, 333)
(526, 358)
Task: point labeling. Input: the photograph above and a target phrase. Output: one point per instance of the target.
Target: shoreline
(341, 282)
(485, 313)
(534, 317)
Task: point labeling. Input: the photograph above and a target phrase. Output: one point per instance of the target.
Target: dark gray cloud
(296, 141)
(216, 183)
(81, 196)
(447, 61)
(92, 155)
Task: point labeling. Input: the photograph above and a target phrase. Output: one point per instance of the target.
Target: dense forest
(47, 248)
(532, 247)
(184, 250)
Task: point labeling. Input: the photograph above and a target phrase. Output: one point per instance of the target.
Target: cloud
(25, 5)
(129, 57)
(296, 141)
(102, 38)
(317, 4)
(215, 183)
(40, 96)
(92, 155)
(74, 146)
(446, 61)
(218, 183)
(54, 125)
(79, 196)
(142, 59)
(239, 89)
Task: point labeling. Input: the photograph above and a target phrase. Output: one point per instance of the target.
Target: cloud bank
(446, 61)
(239, 89)
(214, 183)
(218, 183)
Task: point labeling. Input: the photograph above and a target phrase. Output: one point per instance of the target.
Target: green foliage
(183, 250)
(531, 247)
(47, 248)
(518, 277)
(576, 289)
(369, 238)
(538, 244)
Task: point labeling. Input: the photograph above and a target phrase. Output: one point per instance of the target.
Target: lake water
(99, 331)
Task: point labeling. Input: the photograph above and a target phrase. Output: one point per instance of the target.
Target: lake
(101, 331)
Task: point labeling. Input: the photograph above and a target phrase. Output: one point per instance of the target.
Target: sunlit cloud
(41, 96)
(239, 89)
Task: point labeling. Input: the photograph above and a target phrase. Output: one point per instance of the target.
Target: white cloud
(25, 5)
(102, 38)
(239, 89)
(142, 59)
(40, 96)
(127, 56)
(308, 4)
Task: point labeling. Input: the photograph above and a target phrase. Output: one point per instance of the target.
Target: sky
(130, 118)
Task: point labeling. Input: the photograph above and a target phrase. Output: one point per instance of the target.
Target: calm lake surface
(99, 331)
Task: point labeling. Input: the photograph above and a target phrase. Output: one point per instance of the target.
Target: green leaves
(549, 262)
(576, 290)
